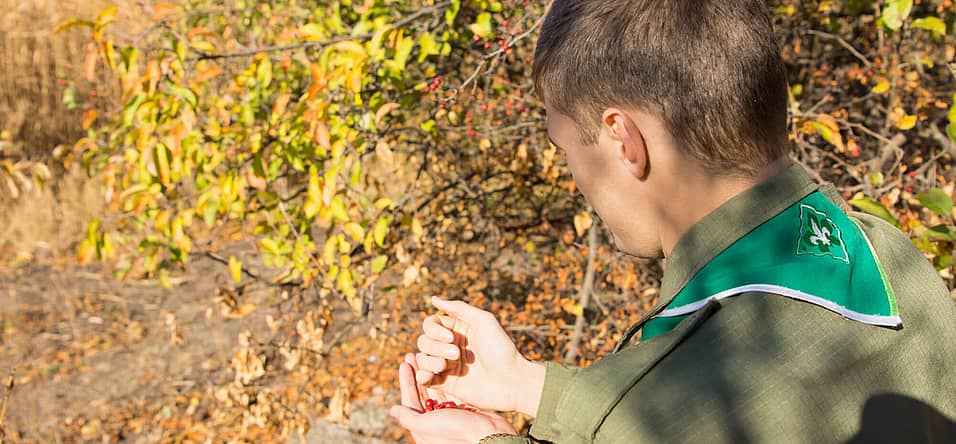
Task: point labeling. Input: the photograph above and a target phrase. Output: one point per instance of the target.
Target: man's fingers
(433, 364)
(461, 310)
(434, 329)
(409, 389)
(432, 347)
(423, 376)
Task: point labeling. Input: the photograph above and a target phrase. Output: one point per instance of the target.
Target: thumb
(461, 310)
(406, 416)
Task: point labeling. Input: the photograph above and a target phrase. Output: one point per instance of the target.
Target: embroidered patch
(819, 236)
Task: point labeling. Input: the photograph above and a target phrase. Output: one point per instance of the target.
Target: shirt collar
(730, 222)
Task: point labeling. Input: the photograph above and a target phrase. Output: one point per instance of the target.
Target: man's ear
(629, 140)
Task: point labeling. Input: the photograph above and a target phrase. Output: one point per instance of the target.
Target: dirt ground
(98, 360)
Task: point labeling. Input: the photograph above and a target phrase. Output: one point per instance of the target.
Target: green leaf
(129, 111)
(426, 46)
(943, 261)
(482, 26)
(875, 208)
(402, 52)
(186, 94)
(452, 12)
(379, 263)
(895, 13)
(937, 201)
(129, 55)
(264, 73)
(932, 24)
(941, 233)
(951, 128)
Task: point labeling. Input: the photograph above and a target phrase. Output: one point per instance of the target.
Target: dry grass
(32, 59)
(36, 66)
(49, 221)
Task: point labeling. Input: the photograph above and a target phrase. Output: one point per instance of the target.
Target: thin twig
(6, 401)
(842, 43)
(584, 295)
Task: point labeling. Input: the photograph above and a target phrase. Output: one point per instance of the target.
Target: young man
(782, 318)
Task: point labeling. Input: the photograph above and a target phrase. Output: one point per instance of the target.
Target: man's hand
(469, 356)
(445, 425)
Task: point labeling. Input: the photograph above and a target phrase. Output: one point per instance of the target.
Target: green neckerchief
(723, 227)
(811, 251)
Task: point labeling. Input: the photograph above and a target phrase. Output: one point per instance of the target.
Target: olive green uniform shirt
(761, 367)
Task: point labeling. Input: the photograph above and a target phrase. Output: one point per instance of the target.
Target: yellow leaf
(383, 111)
(106, 16)
(89, 116)
(328, 251)
(380, 230)
(163, 10)
(906, 122)
(827, 127)
(578, 310)
(312, 32)
(417, 229)
(379, 263)
(582, 222)
(242, 311)
(881, 87)
(355, 231)
(86, 252)
(383, 203)
(313, 202)
(338, 210)
(235, 269)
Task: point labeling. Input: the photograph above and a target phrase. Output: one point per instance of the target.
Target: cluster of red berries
(432, 405)
(436, 83)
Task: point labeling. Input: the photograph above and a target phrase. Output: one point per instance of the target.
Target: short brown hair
(710, 69)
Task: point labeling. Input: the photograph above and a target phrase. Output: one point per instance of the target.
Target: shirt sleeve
(556, 380)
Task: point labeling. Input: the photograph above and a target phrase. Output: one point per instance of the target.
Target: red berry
(471, 132)
(430, 404)
(909, 189)
(447, 405)
(504, 23)
(487, 45)
(484, 107)
(912, 173)
(441, 106)
(477, 38)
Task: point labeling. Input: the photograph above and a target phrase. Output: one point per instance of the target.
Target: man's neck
(697, 195)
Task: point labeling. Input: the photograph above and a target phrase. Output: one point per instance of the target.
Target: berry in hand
(432, 405)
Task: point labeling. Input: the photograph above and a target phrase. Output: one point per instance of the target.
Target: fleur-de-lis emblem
(819, 235)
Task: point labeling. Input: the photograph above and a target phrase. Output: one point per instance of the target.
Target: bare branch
(842, 43)
(584, 295)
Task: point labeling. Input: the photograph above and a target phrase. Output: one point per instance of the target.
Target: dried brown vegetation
(37, 66)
